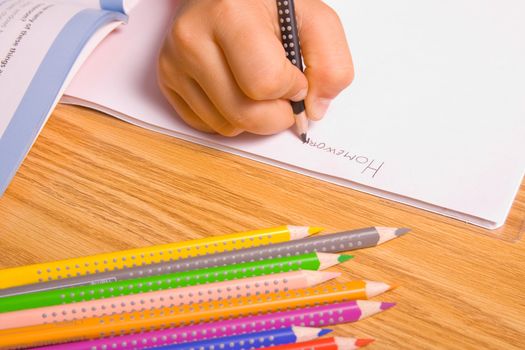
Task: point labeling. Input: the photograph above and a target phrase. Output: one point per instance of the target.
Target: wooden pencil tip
(393, 286)
(317, 277)
(327, 260)
(298, 232)
(388, 233)
(301, 122)
(374, 288)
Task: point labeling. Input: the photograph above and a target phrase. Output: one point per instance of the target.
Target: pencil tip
(324, 331)
(304, 138)
(402, 231)
(315, 229)
(393, 286)
(344, 257)
(386, 306)
(374, 288)
(314, 278)
(363, 342)
(388, 233)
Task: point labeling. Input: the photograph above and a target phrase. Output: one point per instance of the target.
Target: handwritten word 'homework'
(368, 165)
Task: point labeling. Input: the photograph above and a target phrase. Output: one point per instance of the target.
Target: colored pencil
(332, 343)
(260, 285)
(292, 47)
(313, 316)
(98, 327)
(18, 276)
(311, 261)
(257, 340)
(330, 243)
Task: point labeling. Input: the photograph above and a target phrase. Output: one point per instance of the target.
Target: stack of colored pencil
(257, 289)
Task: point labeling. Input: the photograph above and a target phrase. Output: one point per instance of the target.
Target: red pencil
(332, 343)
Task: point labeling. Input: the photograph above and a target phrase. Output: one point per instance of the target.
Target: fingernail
(320, 107)
(301, 95)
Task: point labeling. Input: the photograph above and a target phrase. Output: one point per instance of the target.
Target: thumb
(326, 54)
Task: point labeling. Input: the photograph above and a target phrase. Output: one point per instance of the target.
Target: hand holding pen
(224, 69)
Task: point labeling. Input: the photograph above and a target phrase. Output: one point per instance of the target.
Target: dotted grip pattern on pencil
(315, 316)
(120, 324)
(261, 285)
(161, 282)
(290, 40)
(331, 243)
(62, 269)
(250, 341)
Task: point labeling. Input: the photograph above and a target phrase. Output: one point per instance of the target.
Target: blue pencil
(253, 340)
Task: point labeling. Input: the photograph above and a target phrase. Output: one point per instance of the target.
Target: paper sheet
(435, 117)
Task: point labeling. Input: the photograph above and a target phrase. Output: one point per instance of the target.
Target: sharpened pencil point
(324, 331)
(304, 138)
(386, 306)
(393, 286)
(315, 229)
(363, 342)
(374, 288)
(344, 257)
(402, 231)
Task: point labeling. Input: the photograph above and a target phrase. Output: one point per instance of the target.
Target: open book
(434, 119)
(42, 45)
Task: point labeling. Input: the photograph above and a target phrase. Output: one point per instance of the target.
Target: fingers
(259, 117)
(228, 72)
(255, 54)
(185, 112)
(212, 96)
(326, 55)
(204, 108)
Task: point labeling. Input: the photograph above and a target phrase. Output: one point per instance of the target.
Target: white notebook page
(435, 117)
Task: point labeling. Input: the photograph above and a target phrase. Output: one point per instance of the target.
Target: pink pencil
(172, 297)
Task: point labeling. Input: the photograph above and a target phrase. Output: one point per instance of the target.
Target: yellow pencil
(18, 276)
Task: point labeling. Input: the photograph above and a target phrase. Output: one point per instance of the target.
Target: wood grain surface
(93, 184)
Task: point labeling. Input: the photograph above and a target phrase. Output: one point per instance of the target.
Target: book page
(434, 118)
(22, 46)
(40, 43)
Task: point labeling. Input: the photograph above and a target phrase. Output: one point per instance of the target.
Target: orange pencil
(92, 328)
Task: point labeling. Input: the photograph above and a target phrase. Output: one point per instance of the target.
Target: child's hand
(224, 70)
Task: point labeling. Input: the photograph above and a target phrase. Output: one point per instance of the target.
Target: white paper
(435, 117)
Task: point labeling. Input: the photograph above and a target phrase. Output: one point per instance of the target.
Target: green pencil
(310, 261)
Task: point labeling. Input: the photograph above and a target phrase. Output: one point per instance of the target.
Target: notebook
(435, 117)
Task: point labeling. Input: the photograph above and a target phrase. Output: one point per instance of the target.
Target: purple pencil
(323, 315)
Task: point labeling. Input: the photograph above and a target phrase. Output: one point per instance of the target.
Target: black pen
(290, 40)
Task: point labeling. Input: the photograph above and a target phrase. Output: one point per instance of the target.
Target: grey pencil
(328, 243)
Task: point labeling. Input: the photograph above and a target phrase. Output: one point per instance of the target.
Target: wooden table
(93, 184)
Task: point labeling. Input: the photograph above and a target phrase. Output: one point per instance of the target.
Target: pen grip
(290, 40)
